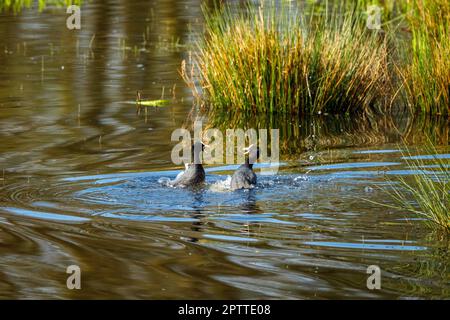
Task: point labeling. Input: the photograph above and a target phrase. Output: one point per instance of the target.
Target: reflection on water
(82, 178)
(299, 135)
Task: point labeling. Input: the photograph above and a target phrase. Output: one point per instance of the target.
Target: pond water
(83, 180)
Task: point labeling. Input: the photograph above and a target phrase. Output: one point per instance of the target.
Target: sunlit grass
(427, 193)
(270, 59)
(427, 77)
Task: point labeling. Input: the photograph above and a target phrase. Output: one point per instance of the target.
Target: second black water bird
(244, 177)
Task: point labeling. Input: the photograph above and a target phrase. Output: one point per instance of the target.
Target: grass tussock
(427, 77)
(271, 59)
(428, 192)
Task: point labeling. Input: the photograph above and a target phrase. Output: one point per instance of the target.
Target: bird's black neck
(198, 166)
(247, 163)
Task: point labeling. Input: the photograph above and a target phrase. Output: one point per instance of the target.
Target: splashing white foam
(221, 186)
(178, 175)
(301, 178)
(166, 182)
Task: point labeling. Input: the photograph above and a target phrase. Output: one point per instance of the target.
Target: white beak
(247, 150)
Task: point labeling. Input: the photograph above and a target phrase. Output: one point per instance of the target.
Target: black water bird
(194, 174)
(244, 177)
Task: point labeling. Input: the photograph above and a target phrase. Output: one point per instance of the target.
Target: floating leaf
(150, 103)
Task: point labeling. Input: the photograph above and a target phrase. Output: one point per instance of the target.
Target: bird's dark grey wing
(243, 178)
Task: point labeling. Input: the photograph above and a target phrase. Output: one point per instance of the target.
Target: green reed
(427, 193)
(427, 77)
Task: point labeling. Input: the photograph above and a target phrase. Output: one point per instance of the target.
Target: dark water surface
(83, 179)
